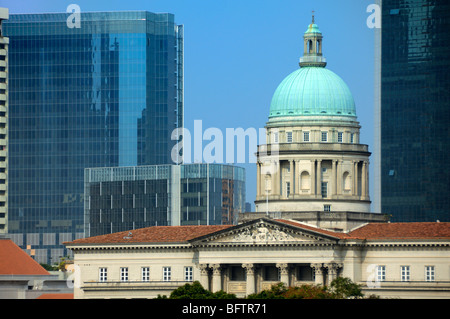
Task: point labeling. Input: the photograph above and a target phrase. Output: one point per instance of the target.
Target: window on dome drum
(289, 137)
(352, 137)
(324, 189)
(340, 137)
(305, 136)
(275, 137)
(404, 273)
(324, 136)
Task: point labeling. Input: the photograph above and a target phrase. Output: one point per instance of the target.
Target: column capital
(216, 268)
(333, 267)
(283, 268)
(250, 268)
(203, 268)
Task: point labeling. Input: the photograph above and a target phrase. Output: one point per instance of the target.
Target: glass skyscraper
(107, 91)
(415, 110)
(125, 198)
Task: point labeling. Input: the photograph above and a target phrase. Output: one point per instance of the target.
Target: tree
(196, 291)
(344, 288)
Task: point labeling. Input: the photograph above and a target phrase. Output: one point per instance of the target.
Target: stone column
(333, 178)
(363, 180)
(297, 177)
(204, 280)
(332, 271)
(319, 178)
(292, 179)
(313, 177)
(258, 179)
(217, 277)
(273, 175)
(339, 180)
(278, 177)
(317, 268)
(284, 273)
(356, 179)
(250, 284)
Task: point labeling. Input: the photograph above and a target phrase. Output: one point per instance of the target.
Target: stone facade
(252, 256)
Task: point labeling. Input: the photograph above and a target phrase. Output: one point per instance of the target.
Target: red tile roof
(403, 231)
(14, 261)
(155, 234)
(177, 234)
(388, 231)
(55, 296)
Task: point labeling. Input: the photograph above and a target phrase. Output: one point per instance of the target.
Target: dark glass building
(125, 198)
(106, 93)
(415, 110)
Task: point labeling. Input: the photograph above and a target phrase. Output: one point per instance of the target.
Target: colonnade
(212, 275)
(359, 184)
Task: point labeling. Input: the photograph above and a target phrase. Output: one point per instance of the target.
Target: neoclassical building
(313, 159)
(400, 260)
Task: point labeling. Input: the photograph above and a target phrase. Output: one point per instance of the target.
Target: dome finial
(313, 17)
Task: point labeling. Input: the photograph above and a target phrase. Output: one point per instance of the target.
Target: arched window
(305, 181)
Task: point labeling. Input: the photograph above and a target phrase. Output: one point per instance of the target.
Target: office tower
(4, 41)
(313, 160)
(126, 198)
(101, 91)
(415, 110)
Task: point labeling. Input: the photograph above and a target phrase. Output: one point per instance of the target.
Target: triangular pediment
(264, 231)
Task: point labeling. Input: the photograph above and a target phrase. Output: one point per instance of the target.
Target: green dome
(312, 91)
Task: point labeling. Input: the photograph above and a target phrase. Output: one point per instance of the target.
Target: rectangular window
(340, 134)
(145, 273)
(124, 274)
(352, 137)
(324, 136)
(188, 273)
(167, 273)
(404, 273)
(429, 273)
(275, 137)
(381, 273)
(103, 274)
(327, 208)
(289, 137)
(324, 189)
(288, 189)
(305, 136)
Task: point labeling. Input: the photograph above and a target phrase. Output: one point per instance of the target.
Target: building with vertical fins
(414, 111)
(104, 92)
(313, 160)
(4, 42)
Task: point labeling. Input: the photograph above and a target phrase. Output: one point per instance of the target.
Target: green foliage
(280, 291)
(340, 288)
(49, 267)
(344, 288)
(196, 291)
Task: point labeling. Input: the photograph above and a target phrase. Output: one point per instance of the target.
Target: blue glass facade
(415, 110)
(125, 198)
(108, 93)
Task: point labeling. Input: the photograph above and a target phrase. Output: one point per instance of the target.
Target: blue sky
(237, 52)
